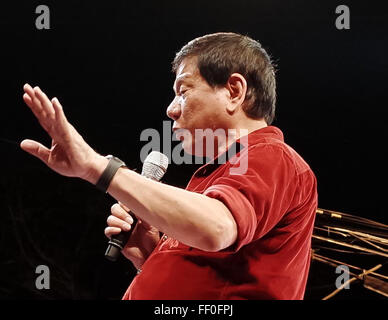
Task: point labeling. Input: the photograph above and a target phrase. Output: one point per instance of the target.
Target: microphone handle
(118, 241)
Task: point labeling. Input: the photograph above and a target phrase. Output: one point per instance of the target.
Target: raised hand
(69, 154)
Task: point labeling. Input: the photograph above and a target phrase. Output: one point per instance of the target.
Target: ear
(237, 88)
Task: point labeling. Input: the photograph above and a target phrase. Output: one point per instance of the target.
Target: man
(228, 235)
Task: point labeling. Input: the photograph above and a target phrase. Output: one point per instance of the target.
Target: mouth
(175, 127)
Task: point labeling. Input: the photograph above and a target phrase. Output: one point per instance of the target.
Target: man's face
(196, 106)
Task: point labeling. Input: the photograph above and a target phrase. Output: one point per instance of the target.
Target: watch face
(109, 157)
(119, 161)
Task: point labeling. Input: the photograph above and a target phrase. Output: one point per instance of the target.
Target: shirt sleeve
(258, 198)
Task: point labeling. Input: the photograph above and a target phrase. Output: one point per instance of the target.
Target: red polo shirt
(273, 203)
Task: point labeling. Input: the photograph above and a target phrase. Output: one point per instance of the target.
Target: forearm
(194, 219)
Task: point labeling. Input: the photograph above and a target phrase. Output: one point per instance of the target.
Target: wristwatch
(113, 165)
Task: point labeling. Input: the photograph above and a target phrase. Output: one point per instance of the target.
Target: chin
(188, 147)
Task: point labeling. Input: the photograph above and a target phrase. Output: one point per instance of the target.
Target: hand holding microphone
(122, 224)
(142, 239)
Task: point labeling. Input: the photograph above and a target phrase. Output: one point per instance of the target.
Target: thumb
(36, 149)
(124, 207)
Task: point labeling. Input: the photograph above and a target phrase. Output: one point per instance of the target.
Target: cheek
(191, 109)
(199, 109)
(202, 110)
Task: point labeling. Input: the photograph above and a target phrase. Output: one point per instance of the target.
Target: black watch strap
(113, 165)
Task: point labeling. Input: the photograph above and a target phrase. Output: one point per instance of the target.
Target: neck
(236, 132)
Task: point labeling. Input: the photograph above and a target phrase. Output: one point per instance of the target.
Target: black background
(109, 65)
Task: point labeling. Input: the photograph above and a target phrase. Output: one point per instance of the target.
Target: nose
(174, 110)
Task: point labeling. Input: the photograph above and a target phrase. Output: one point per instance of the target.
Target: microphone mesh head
(155, 166)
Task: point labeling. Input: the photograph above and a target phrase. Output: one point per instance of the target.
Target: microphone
(154, 167)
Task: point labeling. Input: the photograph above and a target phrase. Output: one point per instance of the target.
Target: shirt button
(164, 238)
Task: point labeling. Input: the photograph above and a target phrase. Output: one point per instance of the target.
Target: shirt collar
(269, 132)
(254, 137)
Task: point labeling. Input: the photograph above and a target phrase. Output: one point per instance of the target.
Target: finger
(36, 110)
(45, 103)
(118, 223)
(33, 102)
(120, 213)
(146, 225)
(36, 102)
(27, 99)
(36, 149)
(124, 207)
(59, 114)
(63, 126)
(29, 90)
(110, 231)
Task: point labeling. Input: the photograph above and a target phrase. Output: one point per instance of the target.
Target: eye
(182, 92)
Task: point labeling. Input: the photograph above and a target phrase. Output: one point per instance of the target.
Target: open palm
(69, 154)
